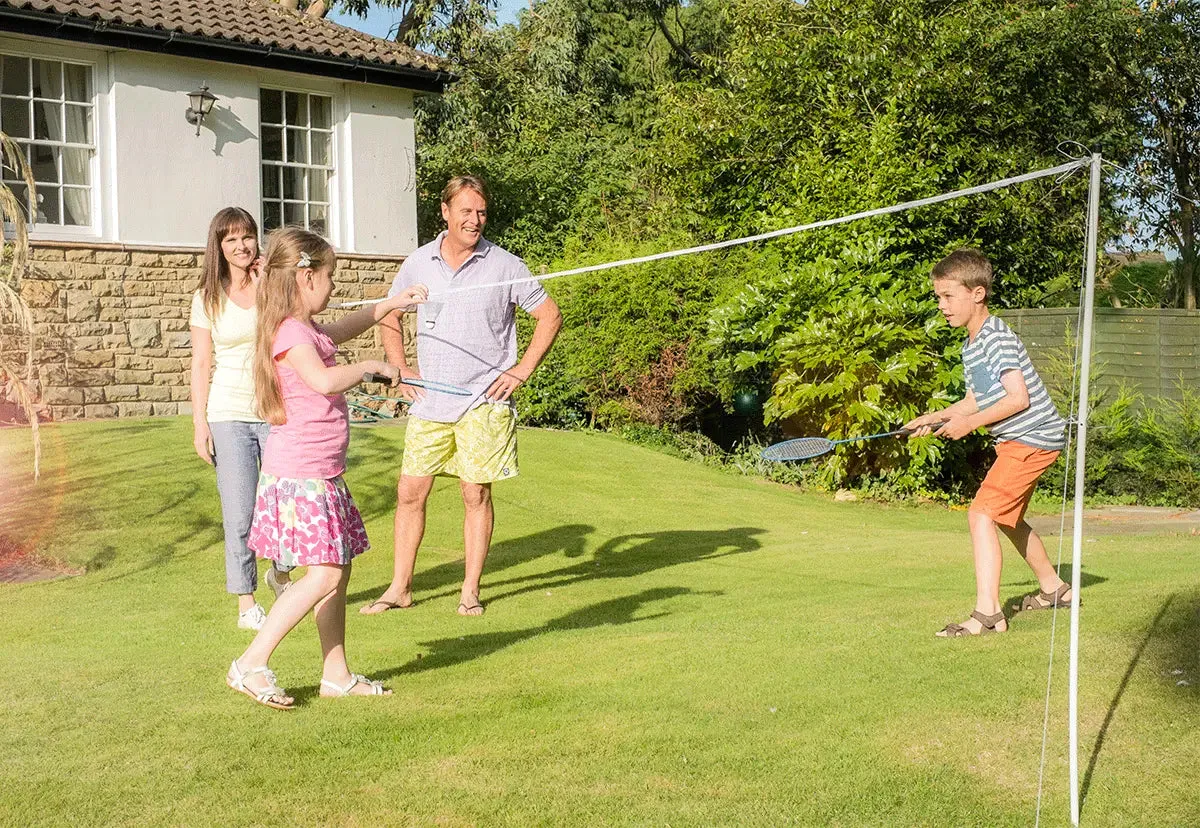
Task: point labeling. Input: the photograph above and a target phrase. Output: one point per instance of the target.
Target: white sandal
(377, 688)
(272, 695)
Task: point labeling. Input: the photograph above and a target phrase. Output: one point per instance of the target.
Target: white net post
(1090, 252)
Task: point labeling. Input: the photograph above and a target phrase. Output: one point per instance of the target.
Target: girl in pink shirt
(304, 515)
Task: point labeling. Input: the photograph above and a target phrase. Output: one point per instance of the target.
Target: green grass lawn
(665, 644)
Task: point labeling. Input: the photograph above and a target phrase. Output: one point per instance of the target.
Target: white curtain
(76, 164)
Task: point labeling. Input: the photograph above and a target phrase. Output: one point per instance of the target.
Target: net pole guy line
(1061, 169)
(1085, 357)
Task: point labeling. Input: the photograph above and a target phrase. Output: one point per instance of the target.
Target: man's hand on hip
(507, 383)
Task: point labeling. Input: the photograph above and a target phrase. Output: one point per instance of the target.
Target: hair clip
(305, 260)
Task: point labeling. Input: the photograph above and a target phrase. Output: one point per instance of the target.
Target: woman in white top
(229, 434)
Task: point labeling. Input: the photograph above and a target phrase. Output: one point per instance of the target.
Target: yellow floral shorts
(480, 448)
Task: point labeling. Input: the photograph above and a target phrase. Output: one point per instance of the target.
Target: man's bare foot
(386, 602)
(469, 605)
(977, 624)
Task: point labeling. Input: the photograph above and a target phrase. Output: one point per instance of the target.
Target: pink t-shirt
(313, 441)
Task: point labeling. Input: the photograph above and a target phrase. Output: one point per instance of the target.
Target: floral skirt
(306, 522)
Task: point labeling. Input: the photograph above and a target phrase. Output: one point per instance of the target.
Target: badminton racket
(428, 385)
(806, 448)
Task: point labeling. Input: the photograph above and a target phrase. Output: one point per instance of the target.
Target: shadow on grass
(569, 539)
(1190, 624)
(191, 530)
(633, 555)
(449, 652)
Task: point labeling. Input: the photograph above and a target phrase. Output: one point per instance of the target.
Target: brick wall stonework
(112, 325)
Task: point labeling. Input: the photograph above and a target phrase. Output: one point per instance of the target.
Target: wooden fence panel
(1155, 351)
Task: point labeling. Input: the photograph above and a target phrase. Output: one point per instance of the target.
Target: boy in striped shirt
(1005, 394)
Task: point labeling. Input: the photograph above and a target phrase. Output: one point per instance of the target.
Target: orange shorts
(1005, 492)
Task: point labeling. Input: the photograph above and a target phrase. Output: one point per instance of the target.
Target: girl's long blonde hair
(277, 298)
(215, 278)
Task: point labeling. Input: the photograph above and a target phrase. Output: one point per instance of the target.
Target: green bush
(1147, 449)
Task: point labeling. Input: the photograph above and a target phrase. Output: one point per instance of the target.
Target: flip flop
(387, 605)
(465, 609)
(1047, 600)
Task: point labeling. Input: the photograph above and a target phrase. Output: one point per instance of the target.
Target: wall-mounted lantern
(200, 103)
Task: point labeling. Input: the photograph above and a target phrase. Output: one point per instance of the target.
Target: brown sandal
(1047, 600)
(988, 625)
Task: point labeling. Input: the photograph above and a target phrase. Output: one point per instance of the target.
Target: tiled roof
(255, 23)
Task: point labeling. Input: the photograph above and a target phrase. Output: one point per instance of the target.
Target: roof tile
(253, 22)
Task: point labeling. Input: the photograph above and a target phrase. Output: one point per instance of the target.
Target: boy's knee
(979, 518)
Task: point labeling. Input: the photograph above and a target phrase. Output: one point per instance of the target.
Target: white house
(313, 122)
(312, 125)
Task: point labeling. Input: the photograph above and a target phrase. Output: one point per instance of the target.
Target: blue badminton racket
(806, 448)
(428, 385)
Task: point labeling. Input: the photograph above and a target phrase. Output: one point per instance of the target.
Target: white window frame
(97, 64)
(333, 193)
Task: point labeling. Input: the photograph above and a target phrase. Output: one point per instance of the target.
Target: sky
(380, 20)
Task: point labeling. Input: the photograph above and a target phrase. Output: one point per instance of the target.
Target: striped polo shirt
(470, 338)
(993, 351)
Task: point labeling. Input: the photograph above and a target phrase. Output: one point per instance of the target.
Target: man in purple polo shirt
(468, 339)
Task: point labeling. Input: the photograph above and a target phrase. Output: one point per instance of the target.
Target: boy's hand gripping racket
(806, 448)
(428, 385)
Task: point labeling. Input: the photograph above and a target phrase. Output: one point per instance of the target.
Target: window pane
(271, 215)
(297, 146)
(293, 214)
(295, 106)
(79, 124)
(77, 206)
(22, 194)
(321, 112)
(293, 183)
(271, 106)
(45, 165)
(78, 82)
(14, 118)
(270, 181)
(47, 79)
(15, 76)
(272, 144)
(47, 121)
(76, 166)
(318, 220)
(322, 148)
(318, 185)
(47, 212)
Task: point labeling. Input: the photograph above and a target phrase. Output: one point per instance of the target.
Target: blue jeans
(237, 451)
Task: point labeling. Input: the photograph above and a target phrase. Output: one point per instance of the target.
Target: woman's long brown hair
(277, 298)
(215, 278)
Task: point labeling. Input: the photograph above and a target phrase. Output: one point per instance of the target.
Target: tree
(836, 106)
(1159, 58)
(447, 27)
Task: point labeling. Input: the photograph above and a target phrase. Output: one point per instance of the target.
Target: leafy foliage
(613, 128)
(1148, 449)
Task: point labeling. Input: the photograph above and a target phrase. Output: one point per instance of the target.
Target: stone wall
(112, 325)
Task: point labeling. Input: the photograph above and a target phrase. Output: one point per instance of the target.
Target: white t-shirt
(231, 395)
